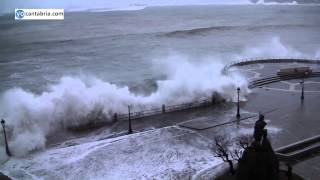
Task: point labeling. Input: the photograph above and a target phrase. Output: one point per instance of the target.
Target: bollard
(163, 108)
(306, 74)
(213, 99)
(115, 117)
(302, 90)
(5, 137)
(129, 119)
(238, 104)
(289, 173)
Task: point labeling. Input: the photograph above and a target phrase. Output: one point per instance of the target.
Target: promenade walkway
(171, 145)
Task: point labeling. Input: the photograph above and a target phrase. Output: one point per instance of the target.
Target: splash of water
(73, 100)
(269, 49)
(318, 54)
(33, 117)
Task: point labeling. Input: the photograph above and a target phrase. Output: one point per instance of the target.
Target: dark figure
(258, 161)
(259, 129)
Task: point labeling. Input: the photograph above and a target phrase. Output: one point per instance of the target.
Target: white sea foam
(269, 49)
(74, 100)
(159, 154)
(128, 8)
(32, 117)
(262, 2)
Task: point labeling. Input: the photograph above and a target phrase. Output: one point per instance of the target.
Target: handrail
(301, 150)
(199, 103)
(169, 108)
(273, 79)
(148, 112)
(243, 62)
(298, 144)
(291, 153)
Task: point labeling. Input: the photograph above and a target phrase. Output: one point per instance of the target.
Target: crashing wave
(32, 117)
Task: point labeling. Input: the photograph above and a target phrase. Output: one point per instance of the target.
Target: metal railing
(243, 62)
(164, 109)
(299, 151)
(199, 103)
(148, 112)
(274, 79)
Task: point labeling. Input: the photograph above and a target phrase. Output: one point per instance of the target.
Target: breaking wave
(31, 117)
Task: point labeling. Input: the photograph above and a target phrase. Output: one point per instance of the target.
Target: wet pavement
(297, 119)
(289, 119)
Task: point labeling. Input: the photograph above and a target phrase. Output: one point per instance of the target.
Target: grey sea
(93, 66)
(121, 46)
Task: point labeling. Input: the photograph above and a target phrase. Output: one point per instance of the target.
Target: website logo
(19, 13)
(39, 14)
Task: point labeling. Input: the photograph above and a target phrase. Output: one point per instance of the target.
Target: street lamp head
(238, 89)
(2, 121)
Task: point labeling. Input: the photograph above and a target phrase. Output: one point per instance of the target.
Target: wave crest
(33, 117)
(206, 30)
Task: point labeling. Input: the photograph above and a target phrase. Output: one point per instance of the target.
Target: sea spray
(33, 117)
(317, 54)
(269, 49)
(77, 100)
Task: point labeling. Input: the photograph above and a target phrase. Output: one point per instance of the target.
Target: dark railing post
(302, 89)
(129, 119)
(289, 173)
(5, 137)
(163, 108)
(115, 117)
(302, 84)
(213, 99)
(238, 103)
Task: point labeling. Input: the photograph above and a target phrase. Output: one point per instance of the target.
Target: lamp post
(5, 137)
(129, 118)
(302, 85)
(238, 103)
(302, 89)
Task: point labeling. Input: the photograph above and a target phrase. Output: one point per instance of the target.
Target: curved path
(269, 60)
(298, 119)
(274, 79)
(259, 64)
